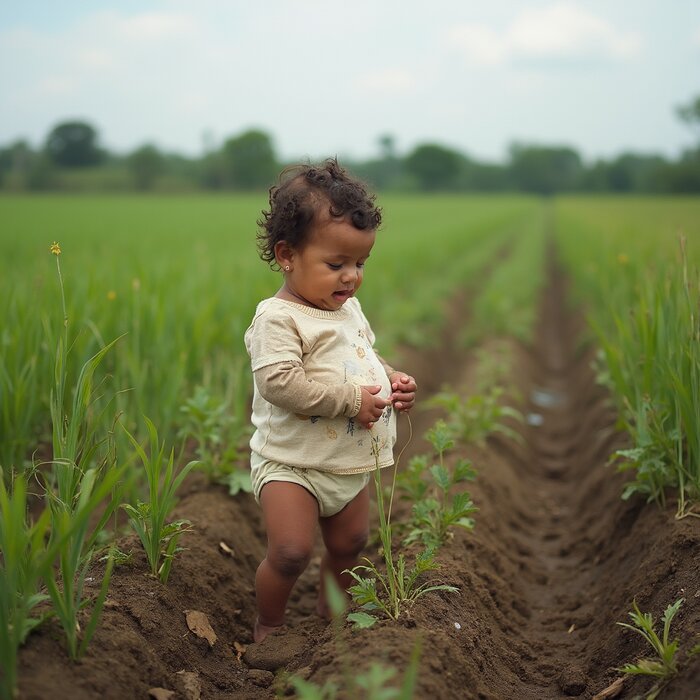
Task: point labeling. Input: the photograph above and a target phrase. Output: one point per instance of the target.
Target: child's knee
(289, 559)
(350, 545)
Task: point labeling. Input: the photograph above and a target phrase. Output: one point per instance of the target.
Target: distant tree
(249, 160)
(683, 176)
(15, 160)
(545, 169)
(486, 177)
(632, 172)
(41, 174)
(434, 167)
(145, 164)
(387, 146)
(690, 114)
(73, 145)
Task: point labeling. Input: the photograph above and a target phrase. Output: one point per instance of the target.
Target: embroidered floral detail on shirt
(350, 429)
(386, 416)
(332, 435)
(301, 416)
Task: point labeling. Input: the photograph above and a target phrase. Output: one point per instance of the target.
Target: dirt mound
(554, 562)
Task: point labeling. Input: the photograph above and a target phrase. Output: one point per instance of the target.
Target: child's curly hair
(302, 191)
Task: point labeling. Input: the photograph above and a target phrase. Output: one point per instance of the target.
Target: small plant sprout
(399, 587)
(664, 665)
(22, 565)
(434, 513)
(159, 538)
(473, 419)
(218, 429)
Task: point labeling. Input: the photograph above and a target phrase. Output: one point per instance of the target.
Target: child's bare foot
(261, 631)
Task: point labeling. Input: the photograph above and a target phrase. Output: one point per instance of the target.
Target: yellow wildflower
(111, 295)
(622, 259)
(55, 248)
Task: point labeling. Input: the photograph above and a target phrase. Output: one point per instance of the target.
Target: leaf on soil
(226, 549)
(362, 619)
(191, 684)
(161, 693)
(198, 623)
(612, 691)
(240, 649)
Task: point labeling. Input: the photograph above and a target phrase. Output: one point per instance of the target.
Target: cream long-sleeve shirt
(309, 365)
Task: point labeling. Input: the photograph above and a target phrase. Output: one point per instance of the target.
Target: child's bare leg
(290, 514)
(345, 536)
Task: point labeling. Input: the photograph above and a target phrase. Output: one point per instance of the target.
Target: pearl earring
(286, 268)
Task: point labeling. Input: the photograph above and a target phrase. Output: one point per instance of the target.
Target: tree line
(71, 159)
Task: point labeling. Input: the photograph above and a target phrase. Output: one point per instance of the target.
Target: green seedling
(158, 537)
(23, 563)
(399, 586)
(73, 528)
(473, 419)
(664, 665)
(218, 433)
(434, 512)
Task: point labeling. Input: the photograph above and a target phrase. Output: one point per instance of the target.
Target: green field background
(176, 279)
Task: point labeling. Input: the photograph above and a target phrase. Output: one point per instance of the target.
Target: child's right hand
(372, 406)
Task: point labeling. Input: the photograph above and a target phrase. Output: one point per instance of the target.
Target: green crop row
(635, 265)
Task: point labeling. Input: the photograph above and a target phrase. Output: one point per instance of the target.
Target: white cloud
(561, 31)
(155, 26)
(393, 81)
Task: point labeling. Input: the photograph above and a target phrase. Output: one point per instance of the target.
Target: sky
(331, 78)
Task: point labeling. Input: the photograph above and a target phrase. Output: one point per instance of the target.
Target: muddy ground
(554, 562)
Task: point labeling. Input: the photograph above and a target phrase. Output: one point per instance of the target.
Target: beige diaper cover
(332, 491)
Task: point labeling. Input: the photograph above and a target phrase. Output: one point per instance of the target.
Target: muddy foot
(261, 631)
(276, 651)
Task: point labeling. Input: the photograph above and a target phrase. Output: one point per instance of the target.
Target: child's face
(328, 269)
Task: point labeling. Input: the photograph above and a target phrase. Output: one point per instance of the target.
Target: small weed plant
(473, 419)
(664, 665)
(23, 563)
(434, 511)
(158, 537)
(218, 430)
(388, 593)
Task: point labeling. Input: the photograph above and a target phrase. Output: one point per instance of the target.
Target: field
(556, 346)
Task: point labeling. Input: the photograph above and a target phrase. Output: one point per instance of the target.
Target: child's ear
(284, 254)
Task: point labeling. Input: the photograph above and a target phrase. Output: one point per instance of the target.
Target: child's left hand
(403, 391)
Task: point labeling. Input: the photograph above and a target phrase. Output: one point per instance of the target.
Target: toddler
(321, 391)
